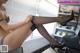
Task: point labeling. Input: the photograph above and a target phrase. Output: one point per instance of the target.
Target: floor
(49, 50)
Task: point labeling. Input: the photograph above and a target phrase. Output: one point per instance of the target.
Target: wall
(18, 10)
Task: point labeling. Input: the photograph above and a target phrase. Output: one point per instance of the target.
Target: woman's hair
(3, 16)
(2, 2)
(7, 19)
(3, 13)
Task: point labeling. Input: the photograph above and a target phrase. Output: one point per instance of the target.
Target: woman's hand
(28, 19)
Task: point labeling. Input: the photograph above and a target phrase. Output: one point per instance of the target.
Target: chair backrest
(18, 50)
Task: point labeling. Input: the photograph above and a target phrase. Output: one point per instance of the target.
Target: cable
(37, 7)
(77, 20)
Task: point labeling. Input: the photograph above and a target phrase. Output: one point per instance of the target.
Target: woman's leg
(46, 35)
(44, 20)
(17, 37)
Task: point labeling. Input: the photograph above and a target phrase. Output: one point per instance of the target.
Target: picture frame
(69, 2)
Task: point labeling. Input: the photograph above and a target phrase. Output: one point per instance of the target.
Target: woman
(10, 32)
(14, 35)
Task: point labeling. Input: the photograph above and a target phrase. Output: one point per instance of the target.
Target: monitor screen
(68, 8)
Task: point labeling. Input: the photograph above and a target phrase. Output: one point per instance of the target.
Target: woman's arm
(8, 27)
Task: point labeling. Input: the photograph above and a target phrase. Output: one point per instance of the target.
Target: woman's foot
(68, 19)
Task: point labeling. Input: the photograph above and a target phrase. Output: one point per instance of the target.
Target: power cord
(77, 20)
